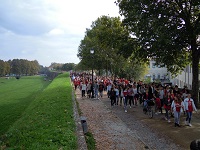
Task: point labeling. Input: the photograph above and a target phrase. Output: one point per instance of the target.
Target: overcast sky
(48, 30)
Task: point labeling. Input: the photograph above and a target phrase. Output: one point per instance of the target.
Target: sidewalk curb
(79, 130)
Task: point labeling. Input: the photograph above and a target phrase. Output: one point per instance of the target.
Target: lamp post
(92, 87)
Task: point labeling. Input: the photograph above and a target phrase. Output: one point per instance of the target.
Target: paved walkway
(113, 129)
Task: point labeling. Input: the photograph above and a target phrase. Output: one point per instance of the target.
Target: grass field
(47, 123)
(15, 97)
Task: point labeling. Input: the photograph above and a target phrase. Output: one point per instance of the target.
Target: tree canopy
(62, 67)
(112, 46)
(166, 30)
(19, 67)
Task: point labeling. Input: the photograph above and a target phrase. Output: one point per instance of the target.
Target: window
(158, 76)
(154, 77)
(153, 65)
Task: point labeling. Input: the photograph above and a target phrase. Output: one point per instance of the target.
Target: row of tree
(25, 67)
(62, 67)
(19, 67)
(167, 31)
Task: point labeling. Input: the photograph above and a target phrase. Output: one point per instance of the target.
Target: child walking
(177, 107)
(189, 108)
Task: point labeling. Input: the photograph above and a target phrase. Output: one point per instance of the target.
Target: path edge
(79, 130)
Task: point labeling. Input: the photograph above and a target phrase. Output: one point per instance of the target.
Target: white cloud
(56, 32)
(47, 30)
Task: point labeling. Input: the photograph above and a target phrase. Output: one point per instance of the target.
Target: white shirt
(83, 86)
(117, 92)
(161, 94)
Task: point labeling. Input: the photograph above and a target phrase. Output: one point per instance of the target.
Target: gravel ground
(113, 129)
(144, 133)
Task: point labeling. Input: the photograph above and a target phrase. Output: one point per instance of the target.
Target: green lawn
(15, 97)
(47, 123)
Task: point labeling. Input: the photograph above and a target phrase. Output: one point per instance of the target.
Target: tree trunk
(195, 73)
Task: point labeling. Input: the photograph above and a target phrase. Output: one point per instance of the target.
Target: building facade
(157, 73)
(160, 73)
(184, 78)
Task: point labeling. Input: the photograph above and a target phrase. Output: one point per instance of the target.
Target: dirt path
(113, 129)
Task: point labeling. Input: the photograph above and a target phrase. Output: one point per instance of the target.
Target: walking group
(170, 101)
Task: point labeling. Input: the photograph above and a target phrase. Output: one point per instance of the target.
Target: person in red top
(172, 94)
(189, 108)
(158, 104)
(125, 93)
(126, 82)
(177, 107)
(76, 84)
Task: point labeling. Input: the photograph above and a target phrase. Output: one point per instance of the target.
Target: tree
(168, 31)
(7, 67)
(43, 70)
(2, 68)
(15, 67)
(23, 67)
(68, 66)
(35, 67)
(109, 39)
(134, 68)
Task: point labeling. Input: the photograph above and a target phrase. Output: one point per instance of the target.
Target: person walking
(83, 88)
(130, 95)
(109, 89)
(117, 94)
(96, 90)
(112, 96)
(167, 105)
(161, 96)
(157, 104)
(177, 107)
(121, 95)
(141, 92)
(125, 93)
(89, 90)
(135, 94)
(189, 108)
(151, 91)
(101, 88)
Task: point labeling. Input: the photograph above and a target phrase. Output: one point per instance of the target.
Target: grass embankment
(15, 97)
(48, 122)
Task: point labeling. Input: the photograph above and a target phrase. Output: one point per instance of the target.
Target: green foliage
(62, 67)
(48, 122)
(167, 31)
(104, 37)
(164, 29)
(133, 68)
(43, 70)
(19, 67)
(4, 68)
(68, 66)
(147, 80)
(112, 45)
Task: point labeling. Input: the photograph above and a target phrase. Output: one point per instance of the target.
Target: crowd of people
(127, 93)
